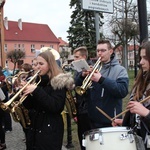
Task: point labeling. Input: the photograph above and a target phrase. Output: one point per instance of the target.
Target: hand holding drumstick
(133, 107)
(115, 122)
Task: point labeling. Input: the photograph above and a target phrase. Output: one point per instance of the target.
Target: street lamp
(134, 26)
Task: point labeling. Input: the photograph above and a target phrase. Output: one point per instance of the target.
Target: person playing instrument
(2, 116)
(7, 122)
(83, 121)
(46, 102)
(138, 116)
(109, 86)
(34, 64)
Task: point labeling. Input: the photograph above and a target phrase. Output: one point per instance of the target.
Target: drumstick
(142, 101)
(107, 116)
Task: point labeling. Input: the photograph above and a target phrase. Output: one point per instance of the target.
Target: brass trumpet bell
(80, 91)
(87, 81)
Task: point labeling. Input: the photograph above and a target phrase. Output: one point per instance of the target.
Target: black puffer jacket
(45, 107)
(129, 121)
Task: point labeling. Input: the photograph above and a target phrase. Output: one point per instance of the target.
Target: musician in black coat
(45, 103)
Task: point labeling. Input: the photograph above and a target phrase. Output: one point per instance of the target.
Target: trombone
(87, 81)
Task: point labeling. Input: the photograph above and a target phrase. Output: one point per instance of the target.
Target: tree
(122, 25)
(15, 56)
(82, 31)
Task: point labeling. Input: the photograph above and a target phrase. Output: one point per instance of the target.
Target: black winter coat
(45, 107)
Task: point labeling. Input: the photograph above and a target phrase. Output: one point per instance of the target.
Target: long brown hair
(54, 69)
(143, 78)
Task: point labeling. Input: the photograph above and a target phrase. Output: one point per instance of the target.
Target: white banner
(98, 5)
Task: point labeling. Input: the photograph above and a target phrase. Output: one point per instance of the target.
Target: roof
(30, 32)
(62, 42)
(130, 47)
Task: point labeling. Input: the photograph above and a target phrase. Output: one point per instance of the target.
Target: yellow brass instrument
(70, 96)
(67, 67)
(15, 107)
(87, 81)
(12, 82)
(70, 104)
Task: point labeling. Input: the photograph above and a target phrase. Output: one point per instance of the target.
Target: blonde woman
(46, 102)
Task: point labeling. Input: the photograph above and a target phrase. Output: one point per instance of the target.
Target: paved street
(14, 139)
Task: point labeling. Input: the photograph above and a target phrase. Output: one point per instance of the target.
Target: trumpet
(15, 107)
(87, 81)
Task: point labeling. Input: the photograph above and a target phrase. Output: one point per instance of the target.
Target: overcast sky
(55, 13)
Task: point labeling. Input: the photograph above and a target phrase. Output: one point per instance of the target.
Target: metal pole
(142, 11)
(135, 62)
(97, 26)
(124, 52)
(125, 38)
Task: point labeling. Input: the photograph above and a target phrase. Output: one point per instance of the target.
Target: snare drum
(110, 138)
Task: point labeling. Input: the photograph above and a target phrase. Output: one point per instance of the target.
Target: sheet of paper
(80, 65)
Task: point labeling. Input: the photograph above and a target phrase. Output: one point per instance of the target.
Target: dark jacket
(81, 100)
(45, 107)
(107, 94)
(129, 121)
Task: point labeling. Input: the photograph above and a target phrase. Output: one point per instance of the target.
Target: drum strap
(139, 142)
(147, 131)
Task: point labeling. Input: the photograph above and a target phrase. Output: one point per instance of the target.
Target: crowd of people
(45, 98)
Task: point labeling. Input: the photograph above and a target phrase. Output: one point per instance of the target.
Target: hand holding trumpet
(29, 89)
(95, 76)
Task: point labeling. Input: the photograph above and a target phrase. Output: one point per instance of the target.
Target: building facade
(27, 37)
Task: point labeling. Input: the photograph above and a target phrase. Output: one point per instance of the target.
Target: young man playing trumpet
(83, 121)
(109, 86)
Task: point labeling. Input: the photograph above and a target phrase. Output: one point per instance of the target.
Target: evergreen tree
(82, 31)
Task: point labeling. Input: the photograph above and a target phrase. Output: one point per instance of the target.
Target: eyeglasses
(76, 56)
(101, 50)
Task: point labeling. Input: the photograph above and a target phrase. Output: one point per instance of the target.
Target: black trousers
(2, 131)
(83, 126)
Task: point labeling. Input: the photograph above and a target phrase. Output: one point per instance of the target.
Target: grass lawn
(74, 125)
(131, 80)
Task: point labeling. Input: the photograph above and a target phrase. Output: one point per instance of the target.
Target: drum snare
(113, 138)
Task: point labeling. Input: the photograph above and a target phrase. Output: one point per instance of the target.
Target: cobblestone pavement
(14, 139)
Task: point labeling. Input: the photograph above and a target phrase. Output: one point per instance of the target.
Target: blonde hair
(54, 69)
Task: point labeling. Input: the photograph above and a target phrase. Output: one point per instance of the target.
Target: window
(32, 48)
(15, 46)
(5, 48)
(42, 46)
(23, 49)
(19, 47)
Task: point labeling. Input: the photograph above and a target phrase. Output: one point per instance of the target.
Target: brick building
(27, 37)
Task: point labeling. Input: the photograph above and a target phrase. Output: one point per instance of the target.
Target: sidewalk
(14, 139)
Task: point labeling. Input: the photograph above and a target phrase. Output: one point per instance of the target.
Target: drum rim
(107, 129)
